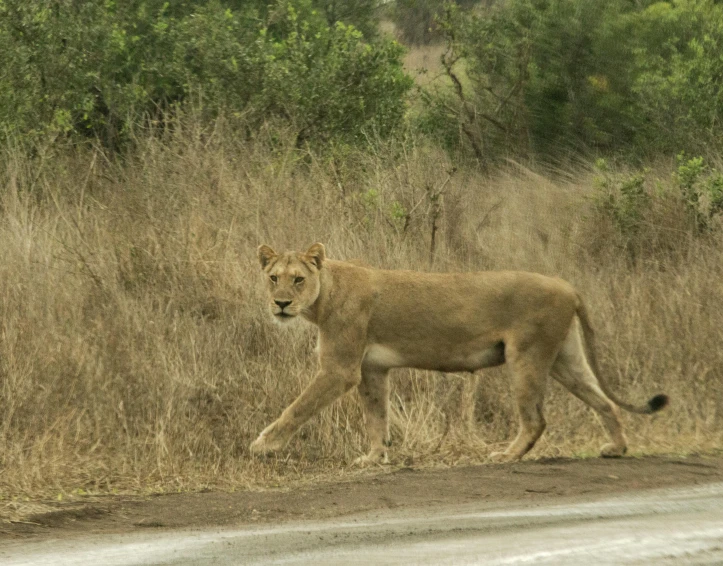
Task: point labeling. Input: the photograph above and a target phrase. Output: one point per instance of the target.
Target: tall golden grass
(136, 352)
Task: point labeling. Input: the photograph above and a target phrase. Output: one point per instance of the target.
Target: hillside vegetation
(147, 151)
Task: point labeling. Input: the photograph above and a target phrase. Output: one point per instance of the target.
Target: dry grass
(423, 62)
(135, 353)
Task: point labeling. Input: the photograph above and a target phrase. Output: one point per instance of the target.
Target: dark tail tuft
(658, 402)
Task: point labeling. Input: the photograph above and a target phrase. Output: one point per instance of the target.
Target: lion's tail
(653, 405)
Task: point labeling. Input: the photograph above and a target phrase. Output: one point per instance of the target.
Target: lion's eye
(298, 280)
(274, 279)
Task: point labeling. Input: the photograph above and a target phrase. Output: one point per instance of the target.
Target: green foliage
(577, 94)
(701, 187)
(362, 14)
(398, 214)
(334, 82)
(539, 75)
(524, 76)
(679, 82)
(96, 68)
(623, 198)
(550, 75)
(645, 219)
(483, 113)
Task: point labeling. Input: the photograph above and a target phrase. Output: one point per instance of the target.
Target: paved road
(681, 526)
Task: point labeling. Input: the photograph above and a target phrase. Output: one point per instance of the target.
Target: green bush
(96, 68)
(584, 75)
(701, 187)
(362, 14)
(332, 82)
(679, 83)
(622, 198)
(483, 112)
(648, 215)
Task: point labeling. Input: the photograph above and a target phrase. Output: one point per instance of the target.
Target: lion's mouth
(283, 315)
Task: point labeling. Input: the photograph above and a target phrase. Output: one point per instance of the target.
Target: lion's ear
(316, 254)
(266, 254)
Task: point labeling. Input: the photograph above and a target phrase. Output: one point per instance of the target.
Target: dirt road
(652, 510)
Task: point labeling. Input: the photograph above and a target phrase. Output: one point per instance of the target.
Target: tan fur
(372, 320)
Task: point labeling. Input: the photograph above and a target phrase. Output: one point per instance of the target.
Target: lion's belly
(383, 356)
(453, 359)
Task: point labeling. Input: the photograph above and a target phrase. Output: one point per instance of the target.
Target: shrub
(648, 217)
(623, 198)
(362, 14)
(678, 85)
(552, 75)
(701, 187)
(96, 68)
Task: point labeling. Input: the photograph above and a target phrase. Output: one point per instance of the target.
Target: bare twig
(435, 199)
(486, 217)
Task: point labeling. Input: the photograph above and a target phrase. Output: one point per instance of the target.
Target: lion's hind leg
(374, 393)
(529, 380)
(572, 370)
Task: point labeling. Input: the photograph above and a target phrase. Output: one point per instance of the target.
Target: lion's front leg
(374, 393)
(328, 385)
(270, 440)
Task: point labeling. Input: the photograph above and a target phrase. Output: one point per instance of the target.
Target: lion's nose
(283, 304)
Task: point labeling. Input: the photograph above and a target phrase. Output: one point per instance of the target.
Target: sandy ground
(663, 510)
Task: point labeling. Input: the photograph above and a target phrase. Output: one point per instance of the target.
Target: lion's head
(292, 280)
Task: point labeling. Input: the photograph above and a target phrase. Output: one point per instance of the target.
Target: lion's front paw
(268, 442)
(613, 451)
(374, 457)
(262, 446)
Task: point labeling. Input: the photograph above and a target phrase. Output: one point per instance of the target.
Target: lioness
(372, 320)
